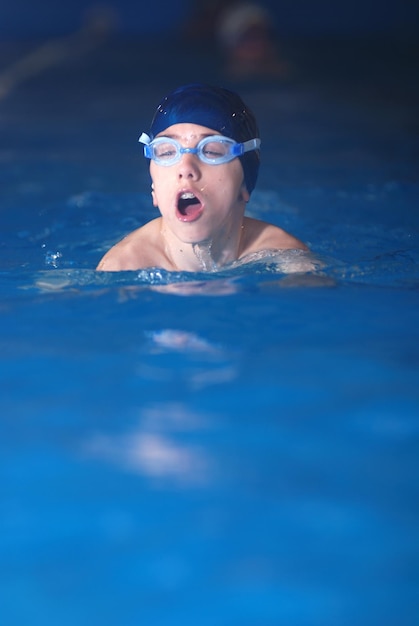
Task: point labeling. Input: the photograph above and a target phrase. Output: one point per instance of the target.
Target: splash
(203, 253)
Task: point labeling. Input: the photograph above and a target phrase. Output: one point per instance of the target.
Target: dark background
(38, 18)
(64, 93)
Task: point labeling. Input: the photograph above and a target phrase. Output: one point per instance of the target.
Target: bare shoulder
(137, 250)
(263, 236)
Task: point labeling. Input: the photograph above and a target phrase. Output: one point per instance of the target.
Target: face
(198, 200)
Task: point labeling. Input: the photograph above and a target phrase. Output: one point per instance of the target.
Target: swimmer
(204, 151)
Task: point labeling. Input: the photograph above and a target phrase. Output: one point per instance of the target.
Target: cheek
(156, 191)
(244, 195)
(232, 182)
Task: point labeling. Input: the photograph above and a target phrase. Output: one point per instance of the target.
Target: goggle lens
(213, 150)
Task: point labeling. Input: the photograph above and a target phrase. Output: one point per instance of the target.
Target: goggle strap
(252, 144)
(144, 138)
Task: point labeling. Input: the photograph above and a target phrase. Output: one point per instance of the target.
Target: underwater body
(228, 447)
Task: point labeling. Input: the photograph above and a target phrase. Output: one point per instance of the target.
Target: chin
(195, 235)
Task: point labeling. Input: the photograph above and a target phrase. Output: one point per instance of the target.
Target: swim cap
(216, 108)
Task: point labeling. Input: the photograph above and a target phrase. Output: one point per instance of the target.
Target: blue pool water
(227, 449)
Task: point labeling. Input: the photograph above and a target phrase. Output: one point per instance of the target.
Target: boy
(203, 148)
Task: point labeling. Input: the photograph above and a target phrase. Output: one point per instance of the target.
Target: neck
(207, 256)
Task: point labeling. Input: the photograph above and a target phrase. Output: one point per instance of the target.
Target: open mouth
(189, 207)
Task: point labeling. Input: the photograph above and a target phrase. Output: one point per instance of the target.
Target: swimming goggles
(214, 150)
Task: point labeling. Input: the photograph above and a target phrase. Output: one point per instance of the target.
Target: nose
(189, 166)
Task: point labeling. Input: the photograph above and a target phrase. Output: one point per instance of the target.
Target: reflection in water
(220, 287)
(183, 341)
(206, 364)
(153, 449)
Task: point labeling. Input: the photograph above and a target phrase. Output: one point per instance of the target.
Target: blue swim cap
(216, 108)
